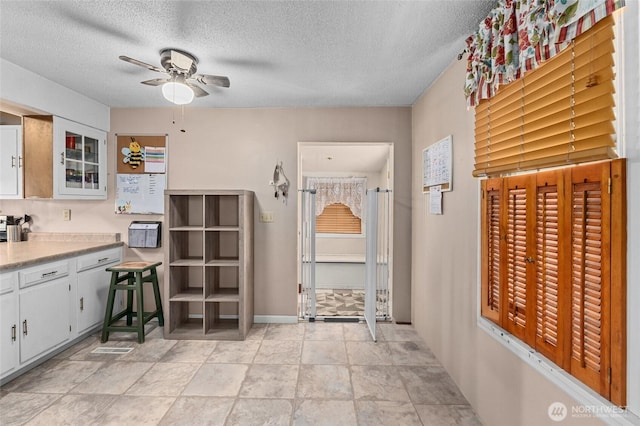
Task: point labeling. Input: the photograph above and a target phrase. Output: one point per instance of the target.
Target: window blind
(561, 113)
(338, 219)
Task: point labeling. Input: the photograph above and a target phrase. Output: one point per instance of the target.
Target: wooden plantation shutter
(553, 250)
(491, 248)
(338, 219)
(590, 275)
(550, 255)
(517, 309)
(561, 113)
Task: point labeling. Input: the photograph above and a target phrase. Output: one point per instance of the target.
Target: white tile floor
(283, 374)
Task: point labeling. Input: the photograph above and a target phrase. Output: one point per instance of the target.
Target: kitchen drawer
(43, 273)
(100, 258)
(8, 282)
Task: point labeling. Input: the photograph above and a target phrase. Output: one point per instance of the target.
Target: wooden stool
(132, 273)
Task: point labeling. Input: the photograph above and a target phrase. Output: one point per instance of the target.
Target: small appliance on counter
(11, 228)
(4, 222)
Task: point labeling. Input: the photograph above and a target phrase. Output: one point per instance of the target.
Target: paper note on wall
(154, 159)
(435, 199)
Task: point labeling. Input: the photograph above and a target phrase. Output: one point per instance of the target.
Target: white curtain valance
(332, 190)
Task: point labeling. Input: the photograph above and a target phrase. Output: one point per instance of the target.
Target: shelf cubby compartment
(222, 246)
(221, 284)
(186, 211)
(186, 284)
(221, 320)
(186, 248)
(185, 319)
(221, 211)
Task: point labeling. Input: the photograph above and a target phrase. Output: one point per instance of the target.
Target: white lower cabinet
(47, 307)
(44, 317)
(9, 345)
(93, 287)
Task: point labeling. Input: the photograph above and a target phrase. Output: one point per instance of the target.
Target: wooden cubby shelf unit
(209, 256)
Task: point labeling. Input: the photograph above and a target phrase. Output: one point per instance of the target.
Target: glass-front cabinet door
(82, 160)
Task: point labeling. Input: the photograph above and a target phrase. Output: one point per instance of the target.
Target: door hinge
(609, 186)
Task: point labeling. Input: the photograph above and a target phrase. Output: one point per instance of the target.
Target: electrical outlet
(267, 217)
(66, 214)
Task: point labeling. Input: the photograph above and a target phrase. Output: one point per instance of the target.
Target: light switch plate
(267, 217)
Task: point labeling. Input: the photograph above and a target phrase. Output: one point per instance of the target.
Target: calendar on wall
(437, 165)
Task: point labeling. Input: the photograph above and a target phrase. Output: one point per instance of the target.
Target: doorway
(333, 179)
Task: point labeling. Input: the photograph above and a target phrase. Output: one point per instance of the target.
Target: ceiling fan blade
(197, 90)
(156, 81)
(140, 63)
(214, 80)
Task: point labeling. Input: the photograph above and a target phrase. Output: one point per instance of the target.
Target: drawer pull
(13, 332)
(104, 259)
(25, 331)
(49, 274)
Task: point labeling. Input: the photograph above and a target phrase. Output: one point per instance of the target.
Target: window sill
(585, 397)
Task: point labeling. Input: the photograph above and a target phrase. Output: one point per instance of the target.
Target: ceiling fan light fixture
(178, 93)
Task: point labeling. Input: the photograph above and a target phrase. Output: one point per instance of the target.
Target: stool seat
(133, 274)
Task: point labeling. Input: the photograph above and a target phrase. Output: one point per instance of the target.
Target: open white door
(308, 254)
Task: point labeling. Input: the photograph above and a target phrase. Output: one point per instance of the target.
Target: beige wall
(502, 388)
(238, 149)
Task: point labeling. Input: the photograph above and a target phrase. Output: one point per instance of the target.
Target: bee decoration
(134, 154)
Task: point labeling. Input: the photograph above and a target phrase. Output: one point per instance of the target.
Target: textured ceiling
(276, 54)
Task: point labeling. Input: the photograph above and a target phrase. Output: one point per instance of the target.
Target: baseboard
(275, 319)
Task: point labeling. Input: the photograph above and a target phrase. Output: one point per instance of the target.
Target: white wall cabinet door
(44, 317)
(11, 162)
(93, 286)
(79, 161)
(9, 345)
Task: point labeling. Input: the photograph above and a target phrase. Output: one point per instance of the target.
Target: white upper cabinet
(64, 159)
(79, 158)
(11, 161)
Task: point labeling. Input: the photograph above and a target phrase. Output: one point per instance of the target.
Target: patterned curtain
(332, 190)
(519, 35)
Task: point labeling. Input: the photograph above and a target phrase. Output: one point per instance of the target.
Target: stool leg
(130, 299)
(140, 313)
(156, 292)
(109, 311)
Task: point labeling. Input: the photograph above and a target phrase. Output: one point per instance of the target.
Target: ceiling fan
(180, 86)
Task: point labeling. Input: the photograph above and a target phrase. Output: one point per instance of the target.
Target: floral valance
(519, 35)
(331, 190)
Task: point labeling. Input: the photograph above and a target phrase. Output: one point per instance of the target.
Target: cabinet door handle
(25, 331)
(13, 161)
(62, 158)
(20, 161)
(82, 303)
(13, 332)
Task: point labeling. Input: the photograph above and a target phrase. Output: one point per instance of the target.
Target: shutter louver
(561, 113)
